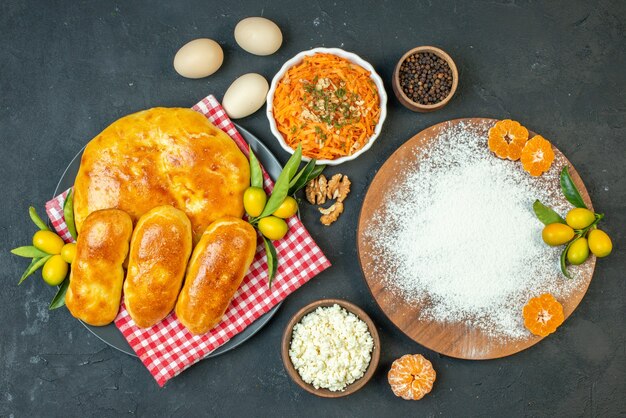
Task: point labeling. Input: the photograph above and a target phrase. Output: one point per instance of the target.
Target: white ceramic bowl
(382, 94)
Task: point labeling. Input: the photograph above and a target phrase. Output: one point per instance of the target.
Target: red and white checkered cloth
(167, 348)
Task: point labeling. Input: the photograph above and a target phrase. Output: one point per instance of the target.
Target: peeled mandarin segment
(537, 156)
(411, 377)
(492, 146)
(497, 146)
(499, 129)
(515, 152)
(505, 124)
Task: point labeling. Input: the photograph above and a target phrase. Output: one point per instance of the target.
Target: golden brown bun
(96, 277)
(162, 156)
(159, 251)
(217, 266)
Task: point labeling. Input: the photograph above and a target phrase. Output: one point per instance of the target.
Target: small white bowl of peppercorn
(425, 79)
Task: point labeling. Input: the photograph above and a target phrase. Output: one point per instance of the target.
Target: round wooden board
(451, 339)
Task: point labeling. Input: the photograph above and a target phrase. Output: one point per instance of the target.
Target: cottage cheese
(331, 348)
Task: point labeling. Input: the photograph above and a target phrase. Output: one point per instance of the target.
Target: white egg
(199, 58)
(258, 36)
(245, 96)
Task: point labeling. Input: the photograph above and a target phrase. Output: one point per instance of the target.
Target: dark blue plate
(109, 333)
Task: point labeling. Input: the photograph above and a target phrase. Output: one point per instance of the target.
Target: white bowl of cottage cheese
(331, 348)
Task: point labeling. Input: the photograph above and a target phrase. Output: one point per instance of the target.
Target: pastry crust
(95, 289)
(159, 250)
(217, 266)
(162, 156)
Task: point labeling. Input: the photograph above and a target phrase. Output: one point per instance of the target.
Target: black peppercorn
(425, 78)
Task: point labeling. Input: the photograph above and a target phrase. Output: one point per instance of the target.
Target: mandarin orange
(507, 139)
(543, 315)
(411, 377)
(537, 156)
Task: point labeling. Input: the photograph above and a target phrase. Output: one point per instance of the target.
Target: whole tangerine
(411, 377)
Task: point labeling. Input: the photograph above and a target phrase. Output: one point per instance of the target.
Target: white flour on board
(458, 236)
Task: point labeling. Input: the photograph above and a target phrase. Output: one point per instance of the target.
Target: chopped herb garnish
(331, 104)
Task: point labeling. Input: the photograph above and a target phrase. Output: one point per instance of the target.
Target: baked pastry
(159, 251)
(217, 266)
(95, 289)
(162, 156)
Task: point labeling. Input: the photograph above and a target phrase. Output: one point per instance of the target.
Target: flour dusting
(458, 236)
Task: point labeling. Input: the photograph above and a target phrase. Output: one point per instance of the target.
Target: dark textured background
(68, 69)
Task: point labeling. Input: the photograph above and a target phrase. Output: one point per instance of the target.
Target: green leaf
(68, 213)
(545, 214)
(33, 267)
(307, 168)
(272, 260)
(316, 172)
(281, 188)
(29, 251)
(59, 298)
(563, 255)
(313, 171)
(37, 220)
(256, 174)
(293, 163)
(570, 191)
(301, 177)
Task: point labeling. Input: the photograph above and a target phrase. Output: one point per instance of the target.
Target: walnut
(322, 182)
(333, 186)
(320, 189)
(316, 190)
(310, 192)
(331, 214)
(338, 187)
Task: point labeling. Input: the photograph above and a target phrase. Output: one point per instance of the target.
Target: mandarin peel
(543, 315)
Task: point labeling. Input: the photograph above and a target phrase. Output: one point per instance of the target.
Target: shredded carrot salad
(327, 104)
